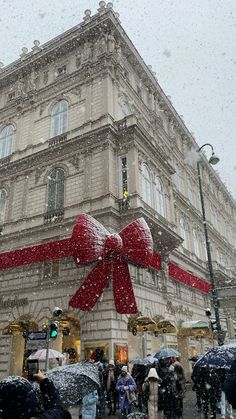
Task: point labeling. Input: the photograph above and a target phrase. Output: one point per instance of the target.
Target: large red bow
(112, 252)
(91, 242)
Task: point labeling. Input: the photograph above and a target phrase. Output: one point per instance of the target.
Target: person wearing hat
(150, 393)
(110, 380)
(126, 387)
(18, 399)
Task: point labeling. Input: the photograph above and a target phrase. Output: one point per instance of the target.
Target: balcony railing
(59, 139)
(55, 216)
(124, 204)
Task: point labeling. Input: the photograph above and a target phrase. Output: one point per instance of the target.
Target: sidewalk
(190, 411)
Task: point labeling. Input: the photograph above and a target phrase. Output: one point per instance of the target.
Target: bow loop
(88, 240)
(138, 243)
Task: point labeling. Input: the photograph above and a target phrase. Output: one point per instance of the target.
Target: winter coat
(150, 395)
(230, 385)
(89, 405)
(18, 400)
(171, 394)
(122, 382)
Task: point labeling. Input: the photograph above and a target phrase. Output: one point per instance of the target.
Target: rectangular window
(178, 289)
(51, 269)
(123, 174)
(61, 71)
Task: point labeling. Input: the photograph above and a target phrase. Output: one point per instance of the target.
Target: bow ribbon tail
(92, 288)
(122, 288)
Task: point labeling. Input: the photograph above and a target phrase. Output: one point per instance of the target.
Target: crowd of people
(156, 390)
(149, 389)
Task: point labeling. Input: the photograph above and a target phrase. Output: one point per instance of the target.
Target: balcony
(58, 140)
(53, 217)
(124, 205)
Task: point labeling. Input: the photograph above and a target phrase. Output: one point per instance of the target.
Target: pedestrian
(138, 374)
(126, 388)
(171, 391)
(230, 385)
(110, 381)
(89, 403)
(211, 391)
(150, 393)
(101, 403)
(197, 380)
(18, 399)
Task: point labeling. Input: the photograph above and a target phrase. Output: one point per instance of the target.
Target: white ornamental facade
(86, 128)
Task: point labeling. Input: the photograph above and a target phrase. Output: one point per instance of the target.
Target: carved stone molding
(75, 161)
(77, 91)
(38, 173)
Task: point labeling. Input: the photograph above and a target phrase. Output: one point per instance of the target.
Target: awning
(166, 326)
(195, 324)
(197, 328)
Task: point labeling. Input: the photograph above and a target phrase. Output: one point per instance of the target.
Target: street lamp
(212, 160)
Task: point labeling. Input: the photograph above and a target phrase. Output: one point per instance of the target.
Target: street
(190, 411)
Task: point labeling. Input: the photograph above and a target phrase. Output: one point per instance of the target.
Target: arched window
(178, 178)
(190, 191)
(3, 200)
(6, 141)
(196, 244)
(146, 185)
(56, 190)
(125, 108)
(183, 231)
(160, 197)
(59, 118)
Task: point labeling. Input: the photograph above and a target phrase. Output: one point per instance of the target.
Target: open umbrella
(42, 353)
(150, 359)
(166, 353)
(138, 361)
(219, 357)
(74, 381)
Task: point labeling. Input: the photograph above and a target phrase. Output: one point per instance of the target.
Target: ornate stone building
(83, 120)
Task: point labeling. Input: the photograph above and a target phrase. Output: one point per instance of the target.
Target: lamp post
(220, 335)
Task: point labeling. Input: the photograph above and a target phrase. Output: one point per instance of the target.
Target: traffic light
(53, 329)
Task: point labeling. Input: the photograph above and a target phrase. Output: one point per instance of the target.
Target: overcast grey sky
(191, 45)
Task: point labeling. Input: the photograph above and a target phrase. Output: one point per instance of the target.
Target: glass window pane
(160, 197)
(146, 185)
(56, 190)
(3, 197)
(59, 118)
(6, 141)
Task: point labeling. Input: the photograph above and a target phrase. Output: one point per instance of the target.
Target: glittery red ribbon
(91, 242)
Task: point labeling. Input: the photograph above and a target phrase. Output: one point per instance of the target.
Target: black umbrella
(74, 381)
(137, 415)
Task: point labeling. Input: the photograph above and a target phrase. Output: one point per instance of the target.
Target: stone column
(183, 347)
(103, 327)
(16, 355)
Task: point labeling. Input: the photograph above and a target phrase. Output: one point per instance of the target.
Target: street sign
(37, 335)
